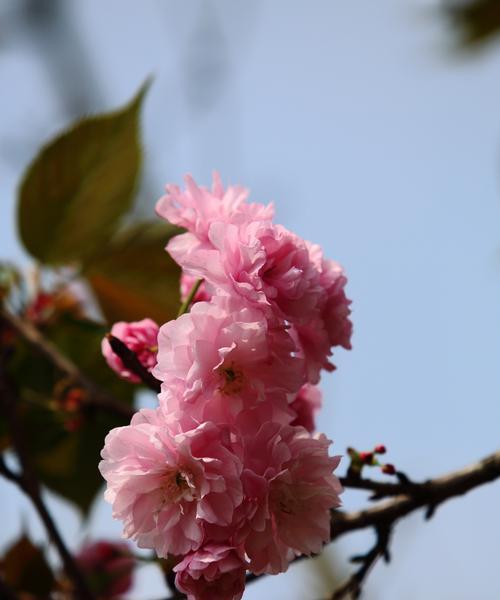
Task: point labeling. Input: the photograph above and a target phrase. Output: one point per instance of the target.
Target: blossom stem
(190, 297)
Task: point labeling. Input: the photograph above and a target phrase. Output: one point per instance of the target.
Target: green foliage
(25, 569)
(78, 188)
(134, 277)
(478, 21)
(66, 458)
(73, 202)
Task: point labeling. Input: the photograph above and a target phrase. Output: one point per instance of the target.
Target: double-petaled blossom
(290, 489)
(214, 572)
(222, 357)
(164, 487)
(141, 337)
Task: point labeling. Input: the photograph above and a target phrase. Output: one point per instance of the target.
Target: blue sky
(377, 142)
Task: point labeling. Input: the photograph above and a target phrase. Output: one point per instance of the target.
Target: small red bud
(380, 449)
(389, 469)
(366, 457)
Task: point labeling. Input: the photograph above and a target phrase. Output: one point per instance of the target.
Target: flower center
(284, 501)
(177, 485)
(233, 379)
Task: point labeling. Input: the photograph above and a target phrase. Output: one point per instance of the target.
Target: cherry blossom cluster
(227, 473)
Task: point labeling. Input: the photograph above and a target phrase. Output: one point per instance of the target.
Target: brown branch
(354, 584)
(381, 489)
(98, 398)
(28, 482)
(132, 363)
(429, 494)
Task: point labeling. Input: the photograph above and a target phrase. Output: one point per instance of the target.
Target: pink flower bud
(380, 449)
(107, 567)
(141, 337)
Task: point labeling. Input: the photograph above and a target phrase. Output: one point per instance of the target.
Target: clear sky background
(373, 139)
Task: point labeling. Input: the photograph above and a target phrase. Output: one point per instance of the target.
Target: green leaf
(80, 185)
(134, 277)
(25, 569)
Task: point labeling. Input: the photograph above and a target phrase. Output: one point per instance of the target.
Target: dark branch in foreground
(98, 398)
(130, 360)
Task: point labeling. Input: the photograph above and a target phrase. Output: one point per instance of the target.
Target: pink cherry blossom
(141, 337)
(263, 263)
(164, 487)
(293, 482)
(336, 310)
(214, 572)
(196, 208)
(223, 356)
(306, 405)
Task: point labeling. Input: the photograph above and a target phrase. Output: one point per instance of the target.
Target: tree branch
(353, 585)
(429, 494)
(98, 398)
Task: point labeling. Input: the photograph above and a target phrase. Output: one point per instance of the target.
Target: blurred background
(374, 127)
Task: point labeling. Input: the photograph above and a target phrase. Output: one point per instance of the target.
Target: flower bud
(389, 469)
(108, 568)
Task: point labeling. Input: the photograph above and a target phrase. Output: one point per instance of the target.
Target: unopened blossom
(214, 572)
(306, 405)
(164, 487)
(141, 337)
(108, 568)
(223, 356)
(291, 476)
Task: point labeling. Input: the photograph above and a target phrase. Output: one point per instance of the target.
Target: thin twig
(98, 398)
(132, 363)
(380, 489)
(8, 473)
(354, 584)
